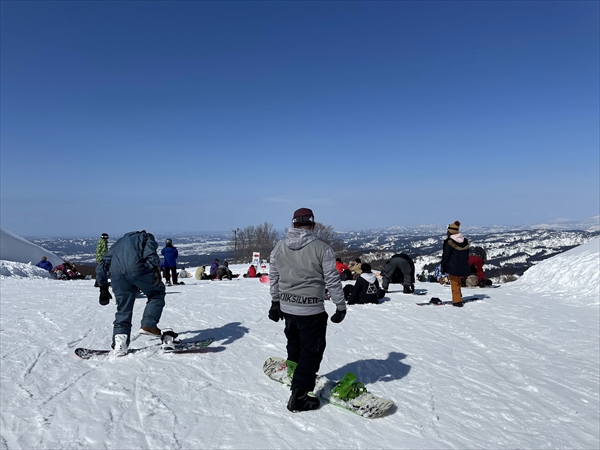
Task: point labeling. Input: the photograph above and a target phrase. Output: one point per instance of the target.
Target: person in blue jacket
(132, 265)
(171, 254)
(45, 264)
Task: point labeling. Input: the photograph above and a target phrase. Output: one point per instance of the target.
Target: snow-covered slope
(518, 369)
(15, 248)
(574, 274)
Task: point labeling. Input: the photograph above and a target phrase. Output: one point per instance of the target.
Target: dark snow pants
(403, 266)
(305, 346)
(125, 286)
(171, 271)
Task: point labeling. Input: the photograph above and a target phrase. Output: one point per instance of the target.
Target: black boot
(301, 401)
(459, 304)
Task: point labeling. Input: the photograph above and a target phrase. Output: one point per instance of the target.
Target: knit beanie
(453, 227)
(365, 268)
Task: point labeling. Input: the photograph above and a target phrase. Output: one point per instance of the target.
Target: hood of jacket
(458, 242)
(296, 238)
(370, 277)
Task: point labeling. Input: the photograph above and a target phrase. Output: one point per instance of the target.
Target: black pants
(171, 271)
(305, 346)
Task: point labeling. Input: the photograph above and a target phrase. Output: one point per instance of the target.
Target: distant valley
(510, 251)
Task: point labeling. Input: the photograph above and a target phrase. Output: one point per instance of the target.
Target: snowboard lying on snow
(180, 348)
(449, 302)
(347, 393)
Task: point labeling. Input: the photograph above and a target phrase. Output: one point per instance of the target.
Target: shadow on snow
(370, 371)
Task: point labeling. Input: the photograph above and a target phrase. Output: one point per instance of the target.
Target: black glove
(338, 316)
(406, 290)
(275, 312)
(104, 296)
(156, 277)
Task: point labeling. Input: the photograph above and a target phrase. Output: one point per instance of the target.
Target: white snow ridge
(517, 369)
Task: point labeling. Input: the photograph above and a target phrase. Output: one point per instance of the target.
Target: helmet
(104, 236)
(169, 242)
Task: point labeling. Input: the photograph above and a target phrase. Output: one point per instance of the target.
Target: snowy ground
(519, 369)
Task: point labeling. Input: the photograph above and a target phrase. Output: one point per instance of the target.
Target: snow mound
(15, 248)
(22, 270)
(575, 272)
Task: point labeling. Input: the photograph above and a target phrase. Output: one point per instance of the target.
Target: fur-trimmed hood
(458, 242)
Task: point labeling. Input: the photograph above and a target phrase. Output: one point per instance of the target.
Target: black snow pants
(305, 346)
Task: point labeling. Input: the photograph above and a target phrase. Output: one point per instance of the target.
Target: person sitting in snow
(184, 273)
(223, 272)
(213, 269)
(63, 271)
(201, 273)
(45, 264)
(252, 272)
(365, 290)
(343, 270)
(355, 268)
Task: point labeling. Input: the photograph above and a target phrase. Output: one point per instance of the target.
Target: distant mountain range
(510, 250)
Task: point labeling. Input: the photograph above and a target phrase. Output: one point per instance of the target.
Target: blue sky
(197, 116)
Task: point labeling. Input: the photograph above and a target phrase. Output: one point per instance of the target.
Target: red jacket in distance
(252, 272)
(340, 266)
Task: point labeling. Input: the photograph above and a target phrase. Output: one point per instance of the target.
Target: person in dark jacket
(45, 264)
(365, 290)
(223, 271)
(401, 269)
(171, 254)
(132, 264)
(455, 260)
(301, 268)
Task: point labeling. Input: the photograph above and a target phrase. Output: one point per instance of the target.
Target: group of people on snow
(303, 271)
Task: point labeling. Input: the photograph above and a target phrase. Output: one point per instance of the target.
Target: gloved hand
(275, 312)
(156, 277)
(104, 296)
(338, 316)
(406, 290)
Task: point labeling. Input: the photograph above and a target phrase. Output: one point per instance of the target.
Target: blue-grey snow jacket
(301, 267)
(134, 252)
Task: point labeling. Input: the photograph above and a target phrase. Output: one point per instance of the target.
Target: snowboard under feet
(365, 404)
(181, 348)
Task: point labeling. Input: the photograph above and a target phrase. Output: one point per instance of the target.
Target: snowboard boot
(120, 346)
(301, 401)
(151, 331)
(458, 304)
(168, 339)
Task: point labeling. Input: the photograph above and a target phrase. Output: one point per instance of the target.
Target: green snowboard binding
(348, 388)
